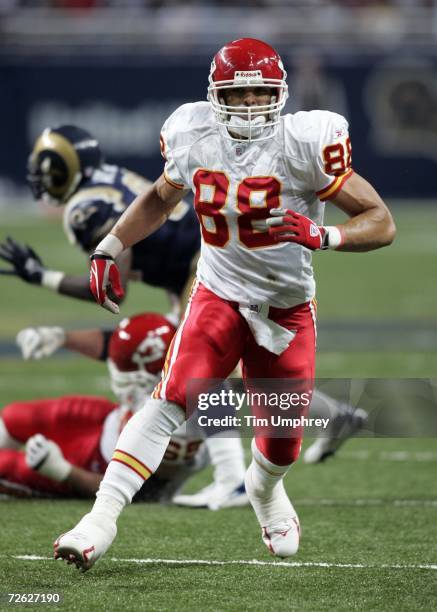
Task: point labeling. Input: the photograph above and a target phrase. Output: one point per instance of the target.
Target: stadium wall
(391, 105)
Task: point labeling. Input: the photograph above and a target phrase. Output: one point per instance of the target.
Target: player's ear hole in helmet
(136, 356)
(61, 159)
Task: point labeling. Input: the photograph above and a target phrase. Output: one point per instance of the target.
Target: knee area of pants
(157, 415)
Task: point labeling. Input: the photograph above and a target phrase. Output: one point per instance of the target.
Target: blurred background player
(66, 168)
(69, 440)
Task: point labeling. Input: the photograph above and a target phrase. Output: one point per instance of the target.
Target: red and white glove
(290, 226)
(104, 276)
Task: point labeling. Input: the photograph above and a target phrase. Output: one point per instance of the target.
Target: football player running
(70, 440)
(259, 182)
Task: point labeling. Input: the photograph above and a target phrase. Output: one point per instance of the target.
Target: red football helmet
(247, 62)
(136, 355)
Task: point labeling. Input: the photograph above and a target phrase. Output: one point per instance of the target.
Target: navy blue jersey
(164, 258)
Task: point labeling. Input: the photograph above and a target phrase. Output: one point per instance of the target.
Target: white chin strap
(247, 129)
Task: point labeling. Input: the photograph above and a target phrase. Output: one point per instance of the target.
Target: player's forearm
(88, 342)
(371, 224)
(369, 230)
(76, 286)
(79, 287)
(84, 482)
(144, 216)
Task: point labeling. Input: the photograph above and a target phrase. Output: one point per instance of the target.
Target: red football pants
(212, 339)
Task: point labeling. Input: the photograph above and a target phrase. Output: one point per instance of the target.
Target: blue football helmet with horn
(61, 159)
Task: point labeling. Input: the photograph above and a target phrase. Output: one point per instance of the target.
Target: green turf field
(368, 544)
(368, 516)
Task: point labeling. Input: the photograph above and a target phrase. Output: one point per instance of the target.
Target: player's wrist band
(58, 470)
(63, 470)
(110, 245)
(107, 335)
(51, 279)
(333, 237)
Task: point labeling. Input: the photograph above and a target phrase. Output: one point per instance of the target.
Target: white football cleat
(215, 496)
(342, 427)
(280, 528)
(282, 540)
(87, 542)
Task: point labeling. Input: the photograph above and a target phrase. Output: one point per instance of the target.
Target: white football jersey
(235, 184)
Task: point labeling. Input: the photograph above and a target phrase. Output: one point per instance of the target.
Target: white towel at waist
(266, 332)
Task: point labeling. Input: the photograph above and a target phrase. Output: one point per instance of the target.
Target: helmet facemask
(49, 181)
(259, 122)
(136, 355)
(131, 388)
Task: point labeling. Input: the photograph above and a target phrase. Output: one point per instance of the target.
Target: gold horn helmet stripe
(59, 144)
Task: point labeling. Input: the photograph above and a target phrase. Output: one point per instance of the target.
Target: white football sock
(265, 489)
(139, 451)
(227, 457)
(6, 440)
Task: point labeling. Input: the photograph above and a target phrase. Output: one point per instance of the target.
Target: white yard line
(338, 502)
(298, 564)
(397, 503)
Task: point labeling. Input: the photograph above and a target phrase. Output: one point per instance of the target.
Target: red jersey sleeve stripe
(172, 183)
(334, 187)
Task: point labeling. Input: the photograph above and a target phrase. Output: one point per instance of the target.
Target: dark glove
(24, 261)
